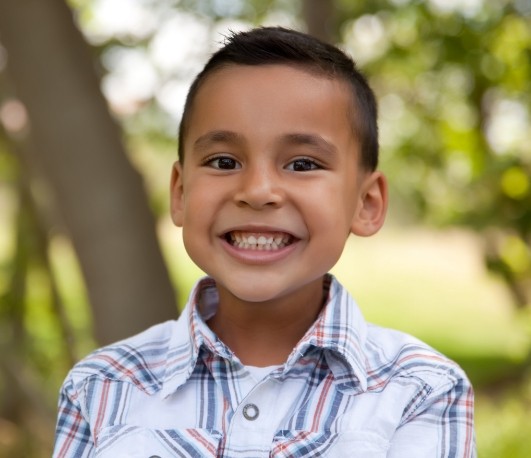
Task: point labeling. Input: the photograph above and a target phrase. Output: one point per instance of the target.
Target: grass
(434, 285)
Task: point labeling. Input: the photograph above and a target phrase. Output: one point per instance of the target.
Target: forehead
(268, 99)
(313, 79)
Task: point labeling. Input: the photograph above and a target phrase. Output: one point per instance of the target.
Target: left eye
(223, 163)
(302, 165)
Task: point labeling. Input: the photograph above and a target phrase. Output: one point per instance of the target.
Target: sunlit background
(453, 264)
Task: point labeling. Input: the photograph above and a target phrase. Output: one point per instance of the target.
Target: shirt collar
(191, 334)
(340, 330)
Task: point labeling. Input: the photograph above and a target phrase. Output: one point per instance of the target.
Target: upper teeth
(258, 241)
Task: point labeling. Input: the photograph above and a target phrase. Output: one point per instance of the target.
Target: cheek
(197, 197)
(202, 203)
(194, 246)
(331, 209)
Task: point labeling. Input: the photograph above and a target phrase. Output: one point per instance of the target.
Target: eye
(223, 163)
(303, 165)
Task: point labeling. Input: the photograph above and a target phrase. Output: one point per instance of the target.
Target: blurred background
(91, 93)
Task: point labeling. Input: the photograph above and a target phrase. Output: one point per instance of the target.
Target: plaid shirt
(348, 389)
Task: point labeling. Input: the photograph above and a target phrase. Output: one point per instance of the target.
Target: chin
(253, 291)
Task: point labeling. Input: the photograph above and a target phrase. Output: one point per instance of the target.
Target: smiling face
(271, 185)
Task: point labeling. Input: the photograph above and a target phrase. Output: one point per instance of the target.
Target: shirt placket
(254, 421)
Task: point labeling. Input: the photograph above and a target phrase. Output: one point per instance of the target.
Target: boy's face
(271, 185)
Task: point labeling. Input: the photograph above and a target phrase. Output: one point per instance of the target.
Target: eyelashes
(303, 165)
(225, 162)
(222, 162)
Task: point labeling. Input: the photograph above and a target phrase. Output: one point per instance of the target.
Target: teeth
(258, 241)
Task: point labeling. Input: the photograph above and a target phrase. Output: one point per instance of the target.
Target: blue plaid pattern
(348, 389)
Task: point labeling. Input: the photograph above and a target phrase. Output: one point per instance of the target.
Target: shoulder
(394, 356)
(139, 360)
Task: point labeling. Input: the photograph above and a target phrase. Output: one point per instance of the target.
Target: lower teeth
(259, 247)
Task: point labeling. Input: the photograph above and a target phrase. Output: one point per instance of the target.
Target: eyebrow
(217, 136)
(295, 139)
(312, 140)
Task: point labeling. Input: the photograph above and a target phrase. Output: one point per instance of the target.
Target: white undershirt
(260, 373)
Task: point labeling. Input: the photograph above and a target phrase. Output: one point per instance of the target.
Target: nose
(259, 187)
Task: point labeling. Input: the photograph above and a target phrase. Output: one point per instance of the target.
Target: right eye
(223, 163)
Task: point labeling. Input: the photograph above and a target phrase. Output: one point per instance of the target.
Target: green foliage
(44, 323)
(455, 91)
(503, 423)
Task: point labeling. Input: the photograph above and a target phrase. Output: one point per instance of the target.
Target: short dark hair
(278, 45)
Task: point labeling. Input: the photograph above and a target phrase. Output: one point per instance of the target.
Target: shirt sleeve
(73, 436)
(442, 426)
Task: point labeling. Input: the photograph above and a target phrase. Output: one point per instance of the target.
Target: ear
(176, 194)
(372, 205)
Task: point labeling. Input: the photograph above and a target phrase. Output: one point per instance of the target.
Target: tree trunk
(77, 147)
(319, 17)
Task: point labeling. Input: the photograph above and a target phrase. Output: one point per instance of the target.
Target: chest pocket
(351, 444)
(126, 441)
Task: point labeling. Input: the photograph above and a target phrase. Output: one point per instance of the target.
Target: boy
(271, 356)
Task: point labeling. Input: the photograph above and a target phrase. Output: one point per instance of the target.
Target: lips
(259, 241)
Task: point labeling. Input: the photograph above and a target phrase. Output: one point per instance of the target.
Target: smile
(260, 241)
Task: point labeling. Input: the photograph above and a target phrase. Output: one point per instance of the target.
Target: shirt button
(251, 412)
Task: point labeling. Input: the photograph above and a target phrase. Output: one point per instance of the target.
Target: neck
(264, 334)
